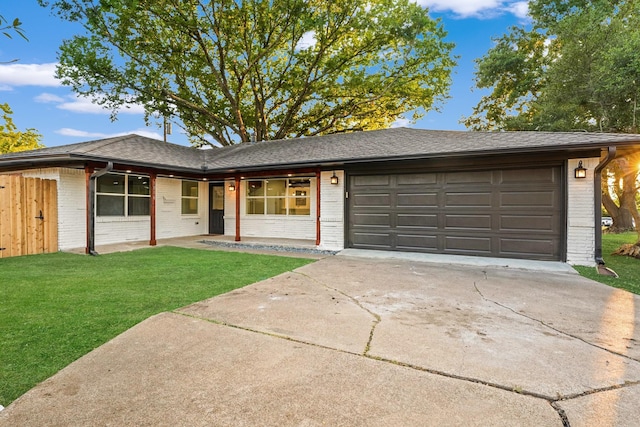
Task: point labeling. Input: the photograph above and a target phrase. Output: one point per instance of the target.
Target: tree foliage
(576, 68)
(11, 139)
(233, 70)
(8, 27)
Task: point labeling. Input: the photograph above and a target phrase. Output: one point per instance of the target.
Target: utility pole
(166, 126)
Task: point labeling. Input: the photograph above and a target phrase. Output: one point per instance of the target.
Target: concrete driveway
(366, 342)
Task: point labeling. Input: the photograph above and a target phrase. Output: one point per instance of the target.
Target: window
(189, 197)
(122, 195)
(279, 196)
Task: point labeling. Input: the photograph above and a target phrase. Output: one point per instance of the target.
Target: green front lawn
(627, 268)
(55, 308)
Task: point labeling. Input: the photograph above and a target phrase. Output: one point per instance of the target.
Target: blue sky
(39, 101)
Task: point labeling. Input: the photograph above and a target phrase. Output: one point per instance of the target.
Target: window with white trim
(123, 195)
(280, 196)
(189, 197)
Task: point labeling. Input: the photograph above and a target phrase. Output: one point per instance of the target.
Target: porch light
(232, 187)
(580, 171)
(334, 179)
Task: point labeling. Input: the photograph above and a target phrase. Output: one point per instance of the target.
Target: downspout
(91, 231)
(597, 187)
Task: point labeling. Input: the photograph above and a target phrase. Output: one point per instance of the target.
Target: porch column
(317, 207)
(152, 208)
(87, 174)
(237, 208)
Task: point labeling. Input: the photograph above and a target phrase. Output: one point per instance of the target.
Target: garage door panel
(527, 223)
(373, 219)
(468, 244)
(425, 243)
(418, 200)
(541, 199)
(372, 200)
(417, 179)
(500, 213)
(373, 240)
(543, 175)
(471, 200)
(534, 248)
(371, 180)
(470, 222)
(478, 177)
(417, 220)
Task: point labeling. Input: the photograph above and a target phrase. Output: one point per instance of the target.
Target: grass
(627, 268)
(57, 307)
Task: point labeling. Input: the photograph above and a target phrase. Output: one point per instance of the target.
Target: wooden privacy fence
(28, 216)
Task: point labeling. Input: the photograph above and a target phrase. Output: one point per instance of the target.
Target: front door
(216, 212)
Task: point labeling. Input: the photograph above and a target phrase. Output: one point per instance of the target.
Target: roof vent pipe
(597, 191)
(91, 229)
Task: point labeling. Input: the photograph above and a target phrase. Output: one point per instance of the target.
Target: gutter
(91, 208)
(597, 187)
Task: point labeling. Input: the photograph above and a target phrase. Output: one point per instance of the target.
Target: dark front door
(216, 212)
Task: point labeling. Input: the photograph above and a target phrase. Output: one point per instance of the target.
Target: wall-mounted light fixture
(580, 171)
(232, 187)
(334, 179)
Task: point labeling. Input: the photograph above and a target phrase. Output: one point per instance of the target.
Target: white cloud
(28, 75)
(80, 104)
(520, 9)
(48, 98)
(307, 40)
(477, 8)
(86, 134)
(401, 122)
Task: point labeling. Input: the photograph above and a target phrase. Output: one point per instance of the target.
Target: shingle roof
(387, 144)
(404, 143)
(130, 149)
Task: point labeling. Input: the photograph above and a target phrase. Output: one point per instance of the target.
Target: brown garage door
(497, 213)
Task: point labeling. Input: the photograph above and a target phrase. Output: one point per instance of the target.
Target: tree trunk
(625, 216)
(624, 179)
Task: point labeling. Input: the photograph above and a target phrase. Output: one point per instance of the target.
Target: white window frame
(183, 197)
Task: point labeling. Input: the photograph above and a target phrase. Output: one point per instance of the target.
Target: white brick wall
(169, 219)
(332, 198)
(580, 214)
(72, 210)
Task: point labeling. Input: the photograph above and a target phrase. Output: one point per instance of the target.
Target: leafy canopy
(11, 139)
(236, 70)
(576, 68)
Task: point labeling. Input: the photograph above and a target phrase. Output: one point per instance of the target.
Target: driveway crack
(376, 318)
(546, 325)
(551, 401)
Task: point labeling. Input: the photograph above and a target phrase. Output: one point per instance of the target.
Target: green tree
(233, 71)
(576, 68)
(11, 139)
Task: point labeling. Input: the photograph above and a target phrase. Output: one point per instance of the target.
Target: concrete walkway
(356, 341)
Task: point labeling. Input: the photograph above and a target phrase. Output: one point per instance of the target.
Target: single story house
(533, 195)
